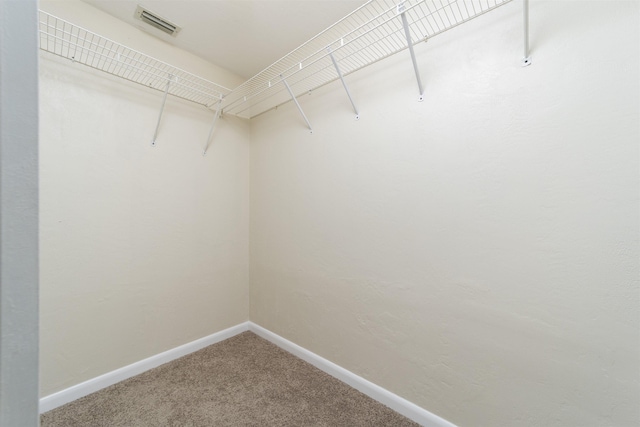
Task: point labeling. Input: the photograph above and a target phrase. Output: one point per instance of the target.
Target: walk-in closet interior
(434, 201)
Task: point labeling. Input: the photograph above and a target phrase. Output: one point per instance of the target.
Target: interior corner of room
(434, 201)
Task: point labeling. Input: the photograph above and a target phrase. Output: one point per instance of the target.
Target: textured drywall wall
(476, 253)
(18, 214)
(142, 248)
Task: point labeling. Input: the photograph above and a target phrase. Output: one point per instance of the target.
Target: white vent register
(156, 21)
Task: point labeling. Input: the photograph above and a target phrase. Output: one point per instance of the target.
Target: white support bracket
(296, 102)
(344, 84)
(164, 100)
(526, 61)
(213, 126)
(407, 33)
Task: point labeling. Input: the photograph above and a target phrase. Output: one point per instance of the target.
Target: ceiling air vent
(156, 21)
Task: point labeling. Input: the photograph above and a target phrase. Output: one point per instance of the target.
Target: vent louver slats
(156, 21)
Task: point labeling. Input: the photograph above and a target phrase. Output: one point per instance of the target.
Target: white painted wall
(476, 253)
(18, 214)
(142, 248)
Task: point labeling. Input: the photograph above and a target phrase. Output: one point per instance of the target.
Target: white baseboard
(395, 402)
(70, 394)
(384, 396)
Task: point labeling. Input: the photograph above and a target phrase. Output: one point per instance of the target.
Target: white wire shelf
(372, 32)
(70, 41)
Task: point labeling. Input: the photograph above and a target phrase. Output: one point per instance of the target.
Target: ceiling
(243, 36)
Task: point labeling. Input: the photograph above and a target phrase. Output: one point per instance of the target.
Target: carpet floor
(242, 381)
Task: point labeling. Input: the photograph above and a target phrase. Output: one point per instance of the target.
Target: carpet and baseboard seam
(85, 388)
(393, 401)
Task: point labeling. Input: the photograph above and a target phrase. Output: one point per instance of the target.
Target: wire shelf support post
(369, 34)
(81, 46)
(164, 101)
(407, 33)
(293, 97)
(65, 39)
(344, 84)
(526, 61)
(213, 126)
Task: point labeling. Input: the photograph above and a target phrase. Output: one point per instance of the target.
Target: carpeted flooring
(242, 381)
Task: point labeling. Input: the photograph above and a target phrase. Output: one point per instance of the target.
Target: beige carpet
(242, 381)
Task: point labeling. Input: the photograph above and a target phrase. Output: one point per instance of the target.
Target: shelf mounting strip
(70, 41)
(374, 31)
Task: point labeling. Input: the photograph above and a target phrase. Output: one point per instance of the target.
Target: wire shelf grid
(369, 34)
(70, 41)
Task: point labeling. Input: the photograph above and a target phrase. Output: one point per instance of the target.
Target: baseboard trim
(70, 394)
(384, 396)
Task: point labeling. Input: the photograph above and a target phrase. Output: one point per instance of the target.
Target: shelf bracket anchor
(296, 102)
(344, 84)
(164, 100)
(407, 33)
(525, 15)
(213, 126)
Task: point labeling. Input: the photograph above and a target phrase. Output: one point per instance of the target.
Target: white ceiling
(243, 36)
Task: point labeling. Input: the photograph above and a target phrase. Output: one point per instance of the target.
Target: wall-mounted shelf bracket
(525, 12)
(296, 102)
(164, 100)
(376, 30)
(213, 126)
(401, 10)
(344, 84)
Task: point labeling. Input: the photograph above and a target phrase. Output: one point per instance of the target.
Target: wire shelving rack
(374, 31)
(70, 41)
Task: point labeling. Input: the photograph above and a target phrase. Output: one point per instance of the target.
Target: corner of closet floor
(374, 391)
(85, 388)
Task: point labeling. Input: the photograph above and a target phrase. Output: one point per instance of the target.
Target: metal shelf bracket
(344, 84)
(164, 100)
(296, 102)
(526, 61)
(402, 10)
(213, 126)
(376, 30)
